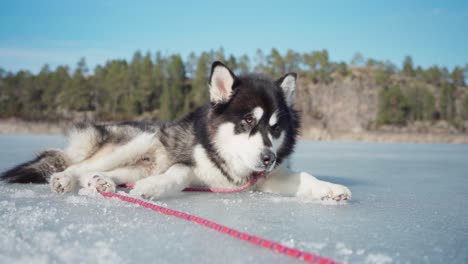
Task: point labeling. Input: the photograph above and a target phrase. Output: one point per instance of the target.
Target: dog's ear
(288, 84)
(222, 81)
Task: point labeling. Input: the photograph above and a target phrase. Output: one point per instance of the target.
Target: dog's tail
(39, 169)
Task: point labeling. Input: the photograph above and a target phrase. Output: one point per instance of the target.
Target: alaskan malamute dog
(248, 126)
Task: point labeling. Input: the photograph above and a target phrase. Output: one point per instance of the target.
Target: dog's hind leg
(120, 156)
(83, 142)
(111, 159)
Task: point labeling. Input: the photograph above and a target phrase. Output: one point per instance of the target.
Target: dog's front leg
(301, 184)
(174, 180)
(107, 181)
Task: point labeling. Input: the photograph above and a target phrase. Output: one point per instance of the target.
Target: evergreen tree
(428, 105)
(232, 63)
(408, 69)
(146, 83)
(244, 64)
(458, 76)
(135, 89)
(382, 73)
(172, 97)
(99, 95)
(160, 81)
(117, 87)
(27, 94)
(419, 73)
(43, 87)
(421, 103)
(191, 65)
(357, 60)
(444, 75)
(260, 62)
(276, 62)
(447, 101)
(465, 108)
(393, 107)
(78, 90)
(433, 75)
(415, 100)
(292, 61)
(54, 85)
(199, 93)
(318, 65)
(219, 55)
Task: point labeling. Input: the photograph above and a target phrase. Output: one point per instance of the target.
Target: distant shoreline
(386, 137)
(18, 126)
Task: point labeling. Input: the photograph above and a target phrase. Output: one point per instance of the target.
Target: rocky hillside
(346, 104)
(347, 108)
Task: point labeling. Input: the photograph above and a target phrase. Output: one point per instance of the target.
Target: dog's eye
(249, 120)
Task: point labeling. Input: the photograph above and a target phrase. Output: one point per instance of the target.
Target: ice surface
(409, 206)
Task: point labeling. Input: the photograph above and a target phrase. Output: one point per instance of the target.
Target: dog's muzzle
(268, 158)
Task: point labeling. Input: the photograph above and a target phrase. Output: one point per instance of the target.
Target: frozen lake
(409, 206)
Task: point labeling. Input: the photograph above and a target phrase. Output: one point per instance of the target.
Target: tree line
(417, 94)
(166, 86)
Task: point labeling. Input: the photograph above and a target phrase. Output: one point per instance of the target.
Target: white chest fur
(206, 172)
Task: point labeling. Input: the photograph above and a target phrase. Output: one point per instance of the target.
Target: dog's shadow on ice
(341, 180)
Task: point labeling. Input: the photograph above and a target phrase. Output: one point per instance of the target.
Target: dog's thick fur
(249, 125)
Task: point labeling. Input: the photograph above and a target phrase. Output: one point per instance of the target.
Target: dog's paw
(337, 192)
(62, 182)
(152, 188)
(321, 190)
(100, 183)
(145, 190)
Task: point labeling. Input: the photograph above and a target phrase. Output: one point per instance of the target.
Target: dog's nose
(268, 157)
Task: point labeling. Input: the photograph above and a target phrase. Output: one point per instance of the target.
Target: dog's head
(253, 125)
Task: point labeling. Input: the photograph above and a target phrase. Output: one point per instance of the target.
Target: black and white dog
(249, 125)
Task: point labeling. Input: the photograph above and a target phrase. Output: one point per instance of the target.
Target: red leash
(288, 251)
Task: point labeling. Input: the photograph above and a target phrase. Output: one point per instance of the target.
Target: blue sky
(33, 33)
